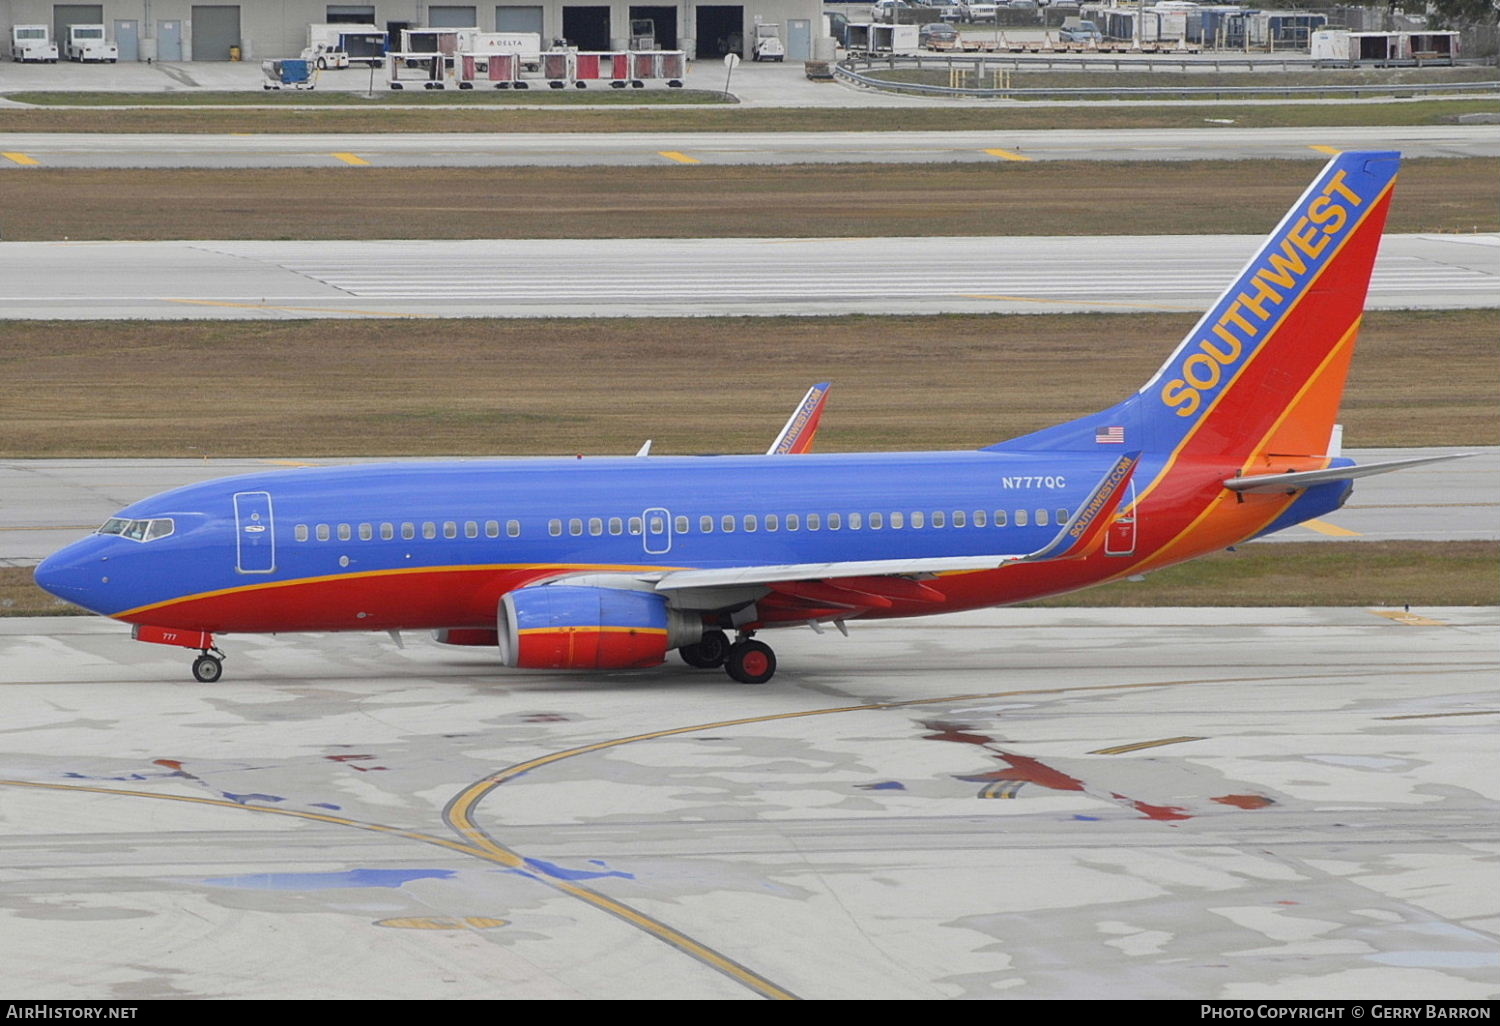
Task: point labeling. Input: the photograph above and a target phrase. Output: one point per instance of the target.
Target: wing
(1081, 535)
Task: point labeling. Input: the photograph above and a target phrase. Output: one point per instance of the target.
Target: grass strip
(485, 387)
(992, 198)
(964, 116)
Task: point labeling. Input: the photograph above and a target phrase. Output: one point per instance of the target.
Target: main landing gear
(747, 661)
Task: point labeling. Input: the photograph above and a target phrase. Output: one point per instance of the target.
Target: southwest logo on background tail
(1263, 371)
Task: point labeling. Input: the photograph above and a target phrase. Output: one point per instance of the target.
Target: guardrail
(850, 71)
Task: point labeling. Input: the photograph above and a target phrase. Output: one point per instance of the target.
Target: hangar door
(64, 15)
(665, 20)
(452, 16)
(216, 27)
(350, 14)
(518, 19)
(586, 27)
(720, 30)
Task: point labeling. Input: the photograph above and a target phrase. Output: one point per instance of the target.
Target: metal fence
(856, 71)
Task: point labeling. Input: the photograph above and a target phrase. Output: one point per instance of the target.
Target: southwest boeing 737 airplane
(605, 564)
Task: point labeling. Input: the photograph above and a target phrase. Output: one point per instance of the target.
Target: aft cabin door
(1120, 540)
(657, 535)
(255, 535)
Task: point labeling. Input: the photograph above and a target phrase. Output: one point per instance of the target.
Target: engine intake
(561, 626)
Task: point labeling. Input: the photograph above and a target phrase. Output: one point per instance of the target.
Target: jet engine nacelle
(561, 626)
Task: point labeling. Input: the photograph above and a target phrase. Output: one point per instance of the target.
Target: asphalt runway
(637, 149)
(688, 277)
(1238, 804)
(50, 503)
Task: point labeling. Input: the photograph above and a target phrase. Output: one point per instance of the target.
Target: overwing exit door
(657, 536)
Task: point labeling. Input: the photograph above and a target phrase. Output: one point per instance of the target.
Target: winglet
(1093, 517)
(797, 435)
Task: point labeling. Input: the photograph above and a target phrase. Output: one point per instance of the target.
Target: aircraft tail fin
(1262, 373)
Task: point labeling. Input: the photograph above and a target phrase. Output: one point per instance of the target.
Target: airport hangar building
(179, 30)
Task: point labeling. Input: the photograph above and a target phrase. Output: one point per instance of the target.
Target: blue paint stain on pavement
(329, 881)
(887, 785)
(1087, 819)
(555, 871)
(245, 799)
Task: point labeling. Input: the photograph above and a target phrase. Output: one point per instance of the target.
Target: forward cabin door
(254, 532)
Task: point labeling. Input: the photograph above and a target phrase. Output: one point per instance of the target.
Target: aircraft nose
(69, 573)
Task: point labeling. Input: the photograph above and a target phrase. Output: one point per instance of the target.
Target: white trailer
(32, 43)
(87, 43)
(527, 46)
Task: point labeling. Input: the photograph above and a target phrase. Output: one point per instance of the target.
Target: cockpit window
(139, 530)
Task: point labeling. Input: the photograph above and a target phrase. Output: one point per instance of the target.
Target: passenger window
(471, 529)
(658, 524)
(938, 519)
(554, 528)
(1062, 516)
(706, 524)
(681, 525)
(773, 522)
(575, 526)
(408, 530)
(1041, 518)
(492, 528)
(726, 522)
(345, 532)
(323, 533)
(814, 522)
(981, 518)
(750, 524)
(999, 518)
(835, 521)
(387, 531)
(959, 519)
(898, 521)
(300, 532)
(877, 521)
(918, 519)
(855, 521)
(513, 529)
(1020, 518)
(366, 532)
(793, 523)
(450, 529)
(596, 526)
(616, 525)
(429, 530)
(635, 525)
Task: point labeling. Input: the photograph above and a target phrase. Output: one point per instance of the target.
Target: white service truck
(339, 45)
(86, 44)
(32, 43)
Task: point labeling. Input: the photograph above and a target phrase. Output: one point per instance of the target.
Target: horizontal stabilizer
(1269, 483)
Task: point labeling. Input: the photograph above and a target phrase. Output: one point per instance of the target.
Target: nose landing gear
(208, 668)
